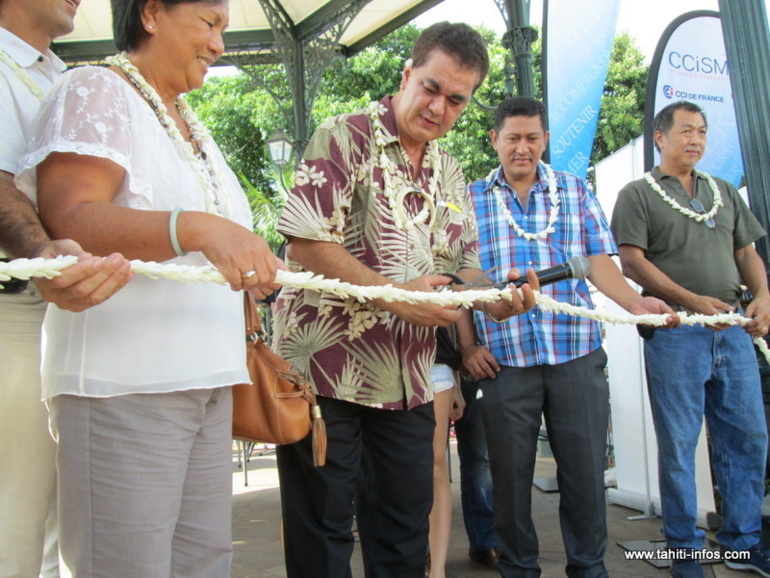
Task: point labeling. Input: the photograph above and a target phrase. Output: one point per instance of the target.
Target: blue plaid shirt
(539, 337)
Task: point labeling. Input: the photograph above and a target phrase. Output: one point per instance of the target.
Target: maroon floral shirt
(350, 350)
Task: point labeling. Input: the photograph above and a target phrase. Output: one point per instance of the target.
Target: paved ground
(257, 543)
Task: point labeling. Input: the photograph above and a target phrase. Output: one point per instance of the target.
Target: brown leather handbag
(279, 405)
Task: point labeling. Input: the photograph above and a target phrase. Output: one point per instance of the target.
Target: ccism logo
(698, 64)
(668, 91)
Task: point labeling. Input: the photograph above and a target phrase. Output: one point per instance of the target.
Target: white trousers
(145, 484)
(27, 467)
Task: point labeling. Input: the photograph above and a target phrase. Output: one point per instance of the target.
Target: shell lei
(685, 211)
(553, 196)
(22, 75)
(203, 166)
(390, 176)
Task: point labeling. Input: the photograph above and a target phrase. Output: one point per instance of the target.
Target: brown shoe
(489, 557)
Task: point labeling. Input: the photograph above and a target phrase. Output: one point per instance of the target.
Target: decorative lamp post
(280, 147)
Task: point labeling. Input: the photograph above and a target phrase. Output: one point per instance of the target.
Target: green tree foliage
(238, 114)
(227, 106)
(370, 75)
(622, 110)
(266, 209)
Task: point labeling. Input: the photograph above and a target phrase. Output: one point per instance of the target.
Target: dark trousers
(379, 460)
(475, 473)
(574, 398)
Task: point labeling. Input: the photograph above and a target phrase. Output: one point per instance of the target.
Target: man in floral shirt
(377, 202)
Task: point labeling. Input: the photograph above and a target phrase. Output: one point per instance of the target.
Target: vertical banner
(577, 44)
(690, 64)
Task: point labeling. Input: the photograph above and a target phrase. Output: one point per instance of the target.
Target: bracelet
(491, 317)
(172, 232)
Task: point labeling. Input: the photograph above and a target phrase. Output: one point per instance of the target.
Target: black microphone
(576, 268)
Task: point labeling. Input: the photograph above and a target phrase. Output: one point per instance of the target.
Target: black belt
(13, 286)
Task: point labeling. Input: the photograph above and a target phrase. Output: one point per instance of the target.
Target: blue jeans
(475, 475)
(692, 372)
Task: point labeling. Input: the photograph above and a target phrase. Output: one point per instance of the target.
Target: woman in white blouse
(138, 385)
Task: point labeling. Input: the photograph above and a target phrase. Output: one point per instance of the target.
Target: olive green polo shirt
(691, 254)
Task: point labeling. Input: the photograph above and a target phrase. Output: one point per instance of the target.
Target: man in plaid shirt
(541, 362)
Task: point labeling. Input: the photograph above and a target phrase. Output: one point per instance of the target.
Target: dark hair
(459, 41)
(664, 120)
(519, 106)
(127, 28)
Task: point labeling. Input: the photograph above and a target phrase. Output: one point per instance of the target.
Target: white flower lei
(553, 196)
(687, 212)
(203, 165)
(22, 75)
(390, 173)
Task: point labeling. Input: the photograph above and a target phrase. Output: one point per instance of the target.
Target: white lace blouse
(153, 336)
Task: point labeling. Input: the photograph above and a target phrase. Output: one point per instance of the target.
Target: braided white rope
(49, 268)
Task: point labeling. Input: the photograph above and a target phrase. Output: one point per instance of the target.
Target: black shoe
(489, 557)
(755, 559)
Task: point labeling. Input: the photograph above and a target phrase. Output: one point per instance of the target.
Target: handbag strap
(253, 320)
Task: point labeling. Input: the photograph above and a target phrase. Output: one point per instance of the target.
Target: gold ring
(248, 274)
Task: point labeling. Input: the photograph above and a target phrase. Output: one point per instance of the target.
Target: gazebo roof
(250, 30)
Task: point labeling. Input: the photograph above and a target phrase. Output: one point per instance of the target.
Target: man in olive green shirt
(686, 237)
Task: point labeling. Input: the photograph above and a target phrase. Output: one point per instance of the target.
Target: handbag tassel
(319, 436)
(317, 429)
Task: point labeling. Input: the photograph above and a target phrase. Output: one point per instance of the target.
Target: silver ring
(248, 274)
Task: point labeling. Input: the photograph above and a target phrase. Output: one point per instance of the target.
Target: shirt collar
(657, 174)
(26, 55)
(388, 120)
(497, 179)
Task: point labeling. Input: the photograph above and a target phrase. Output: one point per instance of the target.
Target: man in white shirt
(28, 70)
